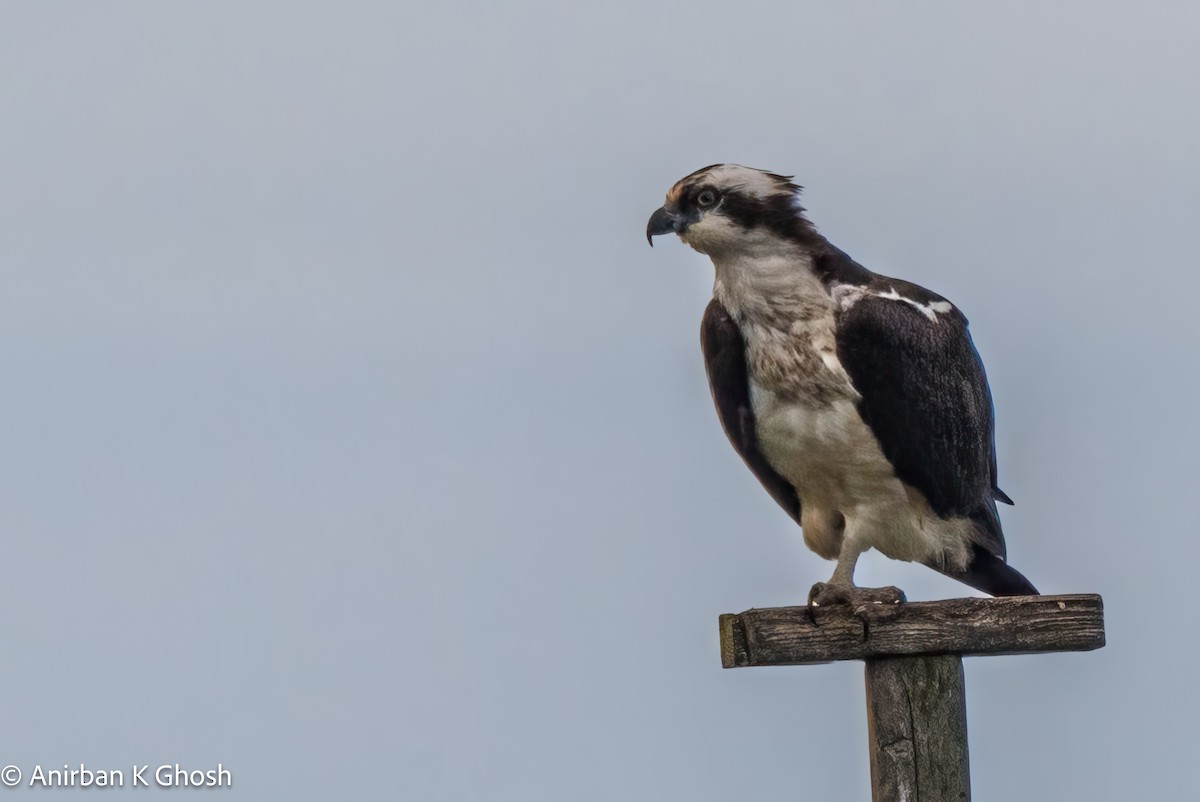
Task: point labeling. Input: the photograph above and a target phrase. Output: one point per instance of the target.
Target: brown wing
(725, 360)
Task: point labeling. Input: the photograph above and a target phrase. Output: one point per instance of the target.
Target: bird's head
(727, 207)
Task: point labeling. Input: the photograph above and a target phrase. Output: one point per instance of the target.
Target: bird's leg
(840, 589)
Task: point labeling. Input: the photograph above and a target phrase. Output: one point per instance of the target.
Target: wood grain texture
(782, 636)
(917, 725)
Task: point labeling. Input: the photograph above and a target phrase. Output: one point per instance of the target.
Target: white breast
(826, 451)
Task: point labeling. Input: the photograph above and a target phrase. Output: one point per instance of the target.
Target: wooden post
(917, 728)
(916, 696)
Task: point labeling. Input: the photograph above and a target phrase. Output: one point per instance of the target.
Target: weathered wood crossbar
(784, 636)
(916, 696)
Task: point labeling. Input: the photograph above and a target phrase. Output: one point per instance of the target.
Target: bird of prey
(858, 400)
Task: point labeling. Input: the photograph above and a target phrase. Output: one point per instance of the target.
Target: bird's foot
(825, 594)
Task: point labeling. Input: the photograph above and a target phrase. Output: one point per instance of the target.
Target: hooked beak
(663, 222)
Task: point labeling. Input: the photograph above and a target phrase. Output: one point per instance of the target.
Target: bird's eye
(706, 198)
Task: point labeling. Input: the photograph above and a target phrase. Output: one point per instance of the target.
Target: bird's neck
(772, 287)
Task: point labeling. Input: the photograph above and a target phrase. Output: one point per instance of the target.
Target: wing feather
(925, 396)
(725, 361)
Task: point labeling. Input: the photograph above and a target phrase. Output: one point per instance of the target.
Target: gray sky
(353, 437)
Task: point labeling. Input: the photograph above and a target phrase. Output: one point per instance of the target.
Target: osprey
(858, 400)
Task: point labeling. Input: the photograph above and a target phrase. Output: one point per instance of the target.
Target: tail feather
(989, 573)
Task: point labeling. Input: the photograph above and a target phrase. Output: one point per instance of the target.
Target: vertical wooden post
(917, 726)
